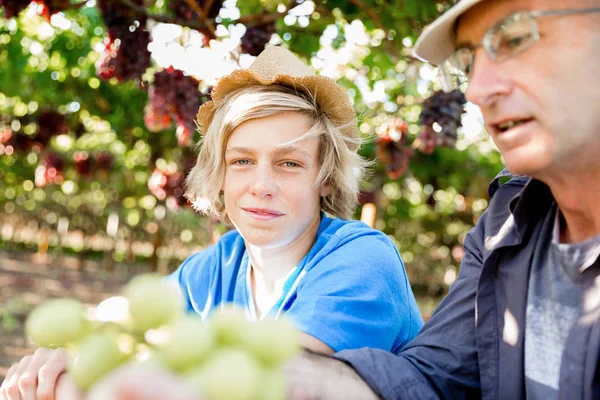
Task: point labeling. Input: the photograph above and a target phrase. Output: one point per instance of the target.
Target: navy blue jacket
(473, 345)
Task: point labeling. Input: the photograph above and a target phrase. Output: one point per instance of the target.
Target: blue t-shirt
(349, 291)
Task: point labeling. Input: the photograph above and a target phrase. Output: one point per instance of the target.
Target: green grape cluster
(223, 357)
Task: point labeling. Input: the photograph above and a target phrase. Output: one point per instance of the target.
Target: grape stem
(194, 5)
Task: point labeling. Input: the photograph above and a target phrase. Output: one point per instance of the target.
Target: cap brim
(437, 42)
(328, 94)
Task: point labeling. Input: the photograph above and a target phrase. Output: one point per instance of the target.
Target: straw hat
(278, 66)
(437, 42)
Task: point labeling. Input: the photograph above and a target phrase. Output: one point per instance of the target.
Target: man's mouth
(510, 124)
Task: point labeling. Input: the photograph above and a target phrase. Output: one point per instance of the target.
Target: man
(522, 319)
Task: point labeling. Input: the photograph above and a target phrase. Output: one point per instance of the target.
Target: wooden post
(368, 214)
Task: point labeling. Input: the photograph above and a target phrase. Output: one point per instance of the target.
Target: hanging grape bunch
(161, 103)
(50, 170)
(440, 120)
(222, 357)
(174, 96)
(255, 39)
(84, 164)
(168, 186)
(105, 161)
(392, 147)
(157, 183)
(189, 100)
(50, 124)
(14, 142)
(176, 188)
(116, 14)
(125, 55)
(12, 8)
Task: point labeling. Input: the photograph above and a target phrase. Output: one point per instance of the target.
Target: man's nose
(488, 81)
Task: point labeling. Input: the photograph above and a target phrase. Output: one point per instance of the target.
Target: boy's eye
(291, 164)
(241, 162)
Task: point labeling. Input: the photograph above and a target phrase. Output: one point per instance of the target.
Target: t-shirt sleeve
(357, 296)
(177, 279)
(192, 278)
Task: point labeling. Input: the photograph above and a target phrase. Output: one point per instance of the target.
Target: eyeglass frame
(489, 34)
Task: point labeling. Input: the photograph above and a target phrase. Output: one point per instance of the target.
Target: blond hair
(340, 166)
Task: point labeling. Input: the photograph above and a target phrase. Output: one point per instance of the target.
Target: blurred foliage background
(97, 101)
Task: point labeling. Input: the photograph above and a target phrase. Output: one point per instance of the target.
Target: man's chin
(524, 162)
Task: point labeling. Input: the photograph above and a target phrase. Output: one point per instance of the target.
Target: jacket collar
(525, 208)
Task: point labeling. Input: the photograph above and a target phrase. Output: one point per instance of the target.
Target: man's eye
(514, 42)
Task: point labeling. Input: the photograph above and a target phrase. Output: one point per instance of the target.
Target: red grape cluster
(51, 123)
(157, 184)
(444, 110)
(126, 54)
(5, 135)
(255, 39)
(52, 166)
(116, 14)
(12, 8)
(84, 164)
(392, 147)
(174, 97)
(16, 142)
(50, 170)
(105, 161)
(165, 185)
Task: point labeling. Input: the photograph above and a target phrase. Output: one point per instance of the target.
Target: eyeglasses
(504, 40)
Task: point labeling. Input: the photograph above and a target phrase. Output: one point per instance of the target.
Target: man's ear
(326, 190)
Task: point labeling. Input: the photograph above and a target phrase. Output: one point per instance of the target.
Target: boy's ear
(326, 190)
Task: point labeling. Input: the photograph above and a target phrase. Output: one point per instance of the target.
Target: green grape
(230, 374)
(98, 355)
(57, 322)
(190, 342)
(273, 341)
(152, 303)
(230, 326)
(272, 385)
(196, 379)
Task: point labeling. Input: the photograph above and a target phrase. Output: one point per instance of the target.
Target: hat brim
(331, 97)
(437, 42)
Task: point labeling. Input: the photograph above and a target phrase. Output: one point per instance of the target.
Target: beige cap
(436, 43)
